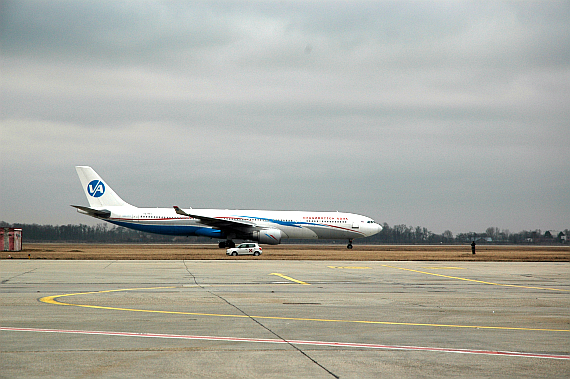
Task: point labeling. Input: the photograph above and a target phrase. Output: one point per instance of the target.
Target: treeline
(403, 234)
(101, 233)
(397, 234)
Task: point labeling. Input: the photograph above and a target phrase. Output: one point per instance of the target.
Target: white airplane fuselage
(264, 226)
(294, 224)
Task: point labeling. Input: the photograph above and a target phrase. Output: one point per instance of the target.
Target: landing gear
(349, 246)
(229, 244)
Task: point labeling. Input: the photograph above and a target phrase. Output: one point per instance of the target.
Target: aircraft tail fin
(98, 193)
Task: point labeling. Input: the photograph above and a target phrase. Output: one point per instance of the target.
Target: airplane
(263, 226)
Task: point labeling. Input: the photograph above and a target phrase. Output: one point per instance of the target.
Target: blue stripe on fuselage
(278, 222)
(173, 230)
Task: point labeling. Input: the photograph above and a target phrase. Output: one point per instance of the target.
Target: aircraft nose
(378, 228)
(372, 229)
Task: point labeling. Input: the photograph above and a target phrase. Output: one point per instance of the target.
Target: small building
(11, 238)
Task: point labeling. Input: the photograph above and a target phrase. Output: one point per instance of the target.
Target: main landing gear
(349, 246)
(229, 244)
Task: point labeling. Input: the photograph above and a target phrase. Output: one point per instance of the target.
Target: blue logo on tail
(96, 188)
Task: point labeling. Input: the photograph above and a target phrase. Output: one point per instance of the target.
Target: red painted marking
(293, 342)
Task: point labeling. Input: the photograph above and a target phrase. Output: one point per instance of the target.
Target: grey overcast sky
(447, 115)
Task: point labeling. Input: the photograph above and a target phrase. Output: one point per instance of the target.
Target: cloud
(449, 115)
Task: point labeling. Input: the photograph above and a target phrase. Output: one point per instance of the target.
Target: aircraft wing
(224, 224)
(93, 212)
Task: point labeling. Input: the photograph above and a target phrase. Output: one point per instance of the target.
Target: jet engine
(268, 236)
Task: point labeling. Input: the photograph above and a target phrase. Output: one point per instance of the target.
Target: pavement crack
(110, 263)
(15, 276)
(260, 324)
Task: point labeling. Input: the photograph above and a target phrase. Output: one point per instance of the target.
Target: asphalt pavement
(283, 319)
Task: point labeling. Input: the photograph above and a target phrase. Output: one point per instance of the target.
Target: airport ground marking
(293, 342)
(349, 267)
(478, 281)
(289, 278)
(52, 300)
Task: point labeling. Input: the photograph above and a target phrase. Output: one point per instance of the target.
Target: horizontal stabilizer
(103, 213)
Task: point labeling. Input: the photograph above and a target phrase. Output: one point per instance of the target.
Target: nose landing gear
(349, 246)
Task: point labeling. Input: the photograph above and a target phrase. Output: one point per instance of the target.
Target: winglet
(180, 211)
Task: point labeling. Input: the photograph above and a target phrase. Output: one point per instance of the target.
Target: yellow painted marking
(350, 267)
(477, 281)
(289, 278)
(52, 300)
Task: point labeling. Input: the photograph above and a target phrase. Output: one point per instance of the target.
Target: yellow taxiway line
(476, 281)
(289, 278)
(52, 300)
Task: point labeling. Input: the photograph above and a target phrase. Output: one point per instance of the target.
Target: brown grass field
(484, 253)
